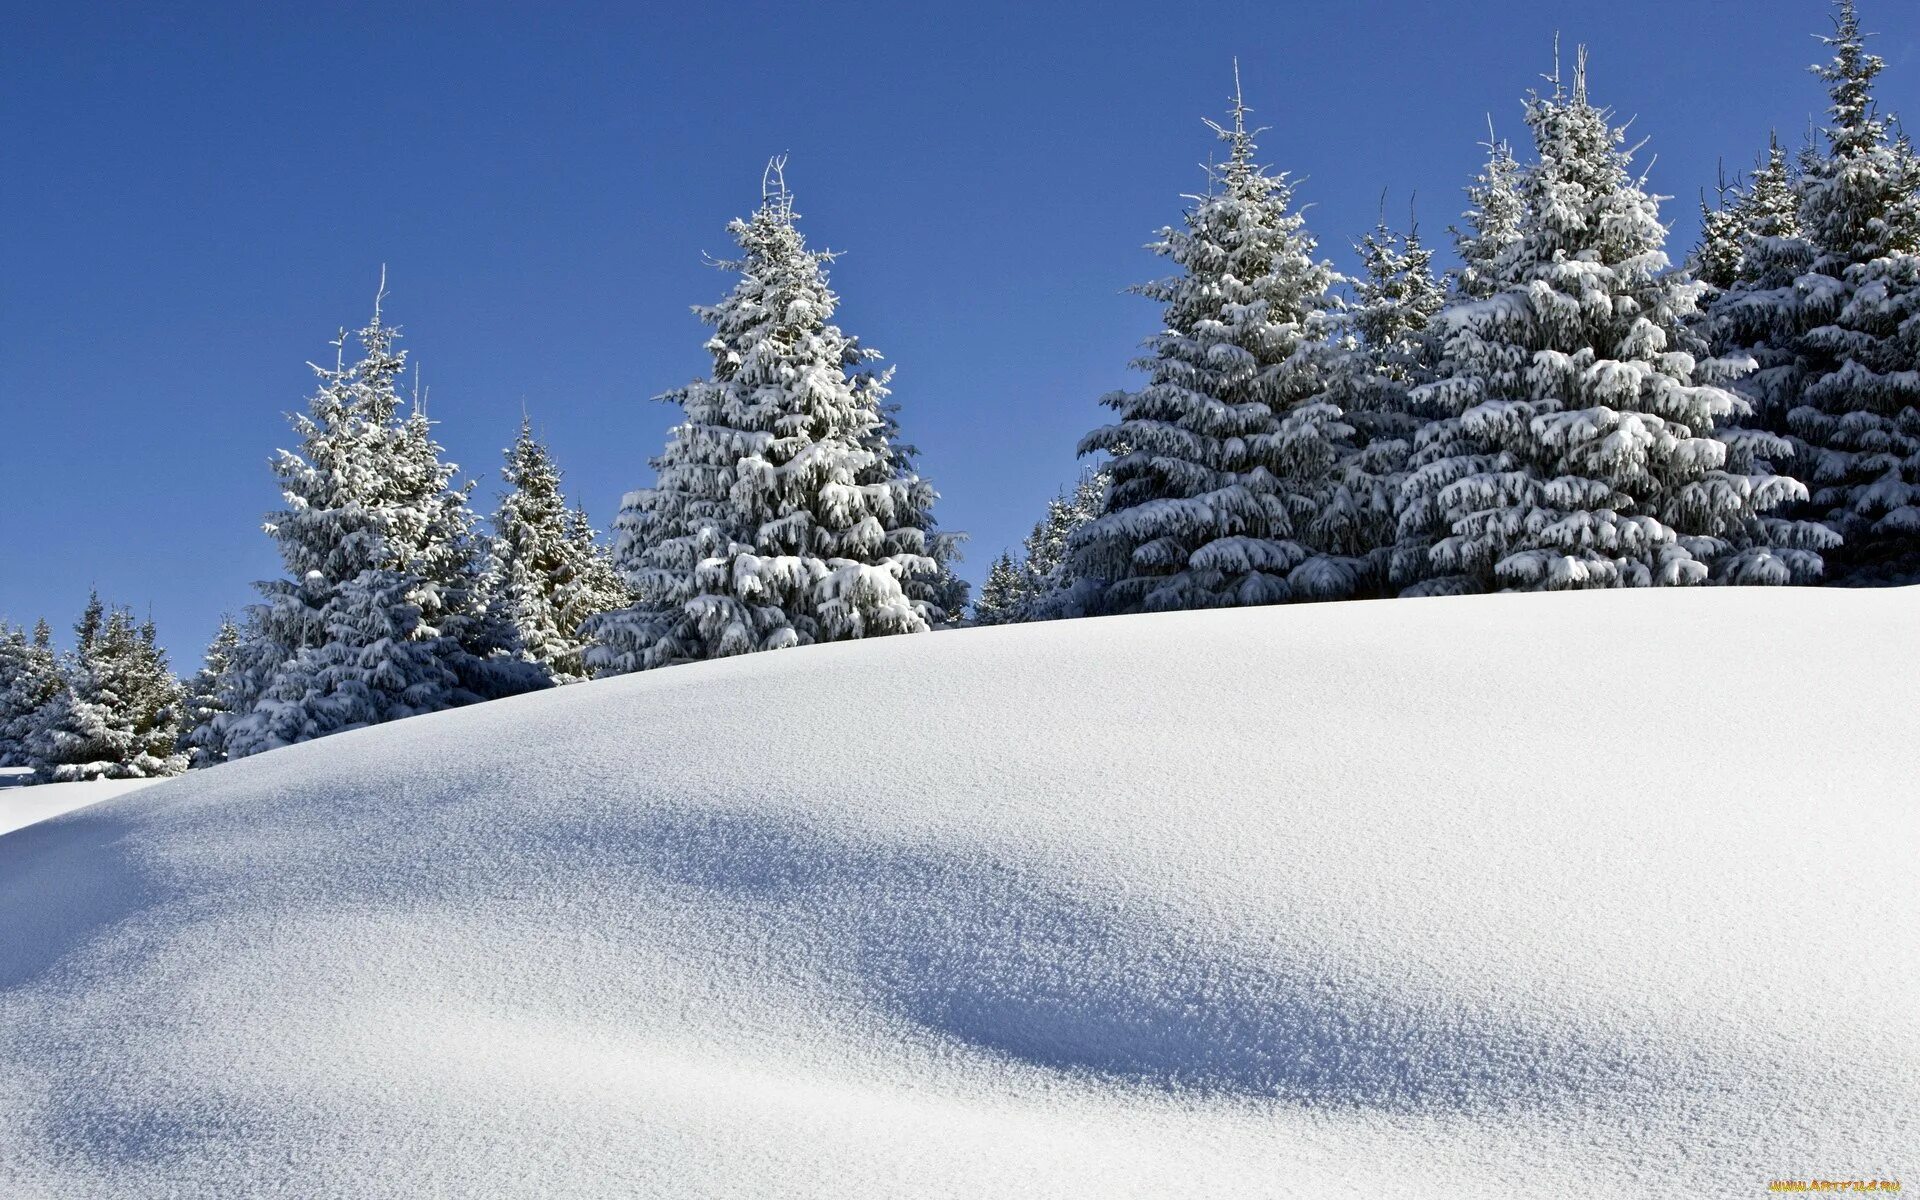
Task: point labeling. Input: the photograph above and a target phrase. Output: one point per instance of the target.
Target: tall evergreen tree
(1218, 463)
(785, 512)
(384, 613)
(119, 715)
(1756, 314)
(1575, 435)
(30, 677)
(548, 572)
(1856, 426)
(206, 697)
(1005, 594)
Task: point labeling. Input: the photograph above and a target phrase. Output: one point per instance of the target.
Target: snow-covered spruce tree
(1575, 441)
(30, 677)
(547, 571)
(1856, 423)
(1756, 314)
(1033, 587)
(385, 612)
(784, 512)
(1723, 237)
(119, 715)
(1386, 347)
(1005, 595)
(1492, 221)
(206, 697)
(1219, 462)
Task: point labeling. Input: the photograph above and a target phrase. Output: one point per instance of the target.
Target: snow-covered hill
(22, 805)
(1599, 894)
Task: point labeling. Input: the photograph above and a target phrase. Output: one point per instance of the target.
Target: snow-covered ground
(24, 805)
(1594, 895)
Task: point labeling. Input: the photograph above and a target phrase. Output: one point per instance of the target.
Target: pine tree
(1856, 423)
(385, 612)
(547, 570)
(1723, 236)
(30, 677)
(1005, 595)
(1575, 441)
(119, 715)
(1386, 348)
(206, 696)
(1755, 315)
(1493, 221)
(1218, 462)
(1035, 586)
(785, 511)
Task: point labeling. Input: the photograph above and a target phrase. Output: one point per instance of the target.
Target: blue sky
(194, 200)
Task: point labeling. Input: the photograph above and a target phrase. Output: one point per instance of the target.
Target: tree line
(1566, 409)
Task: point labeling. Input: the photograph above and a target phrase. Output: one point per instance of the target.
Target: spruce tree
(1005, 594)
(1856, 423)
(1575, 441)
(1033, 587)
(1723, 236)
(549, 574)
(1492, 221)
(1385, 349)
(784, 512)
(30, 677)
(118, 717)
(384, 612)
(1219, 461)
(206, 697)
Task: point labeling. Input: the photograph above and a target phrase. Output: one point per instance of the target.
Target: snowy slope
(21, 806)
(1593, 894)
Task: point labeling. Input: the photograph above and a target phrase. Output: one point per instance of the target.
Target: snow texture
(1356, 899)
(22, 806)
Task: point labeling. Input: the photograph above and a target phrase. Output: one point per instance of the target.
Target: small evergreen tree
(1492, 221)
(1219, 462)
(206, 697)
(1574, 441)
(1386, 348)
(1856, 426)
(785, 511)
(30, 677)
(119, 715)
(1723, 236)
(1033, 587)
(548, 572)
(384, 613)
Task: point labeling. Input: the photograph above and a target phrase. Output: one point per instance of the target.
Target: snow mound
(1596, 894)
(22, 804)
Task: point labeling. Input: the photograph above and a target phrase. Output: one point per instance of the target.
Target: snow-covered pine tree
(1033, 587)
(1492, 220)
(1219, 462)
(1575, 441)
(1723, 236)
(1756, 314)
(1856, 423)
(784, 512)
(205, 698)
(118, 717)
(1004, 596)
(548, 573)
(30, 677)
(385, 612)
(1386, 348)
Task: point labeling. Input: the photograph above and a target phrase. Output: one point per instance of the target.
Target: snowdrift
(1598, 894)
(24, 804)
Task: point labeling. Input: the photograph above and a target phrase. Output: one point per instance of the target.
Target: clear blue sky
(194, 198)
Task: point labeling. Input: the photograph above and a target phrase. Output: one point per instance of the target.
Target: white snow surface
(1606, 894)
(21, 806)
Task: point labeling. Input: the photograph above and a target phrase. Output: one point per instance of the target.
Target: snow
(22, 805)
(1363, 899)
